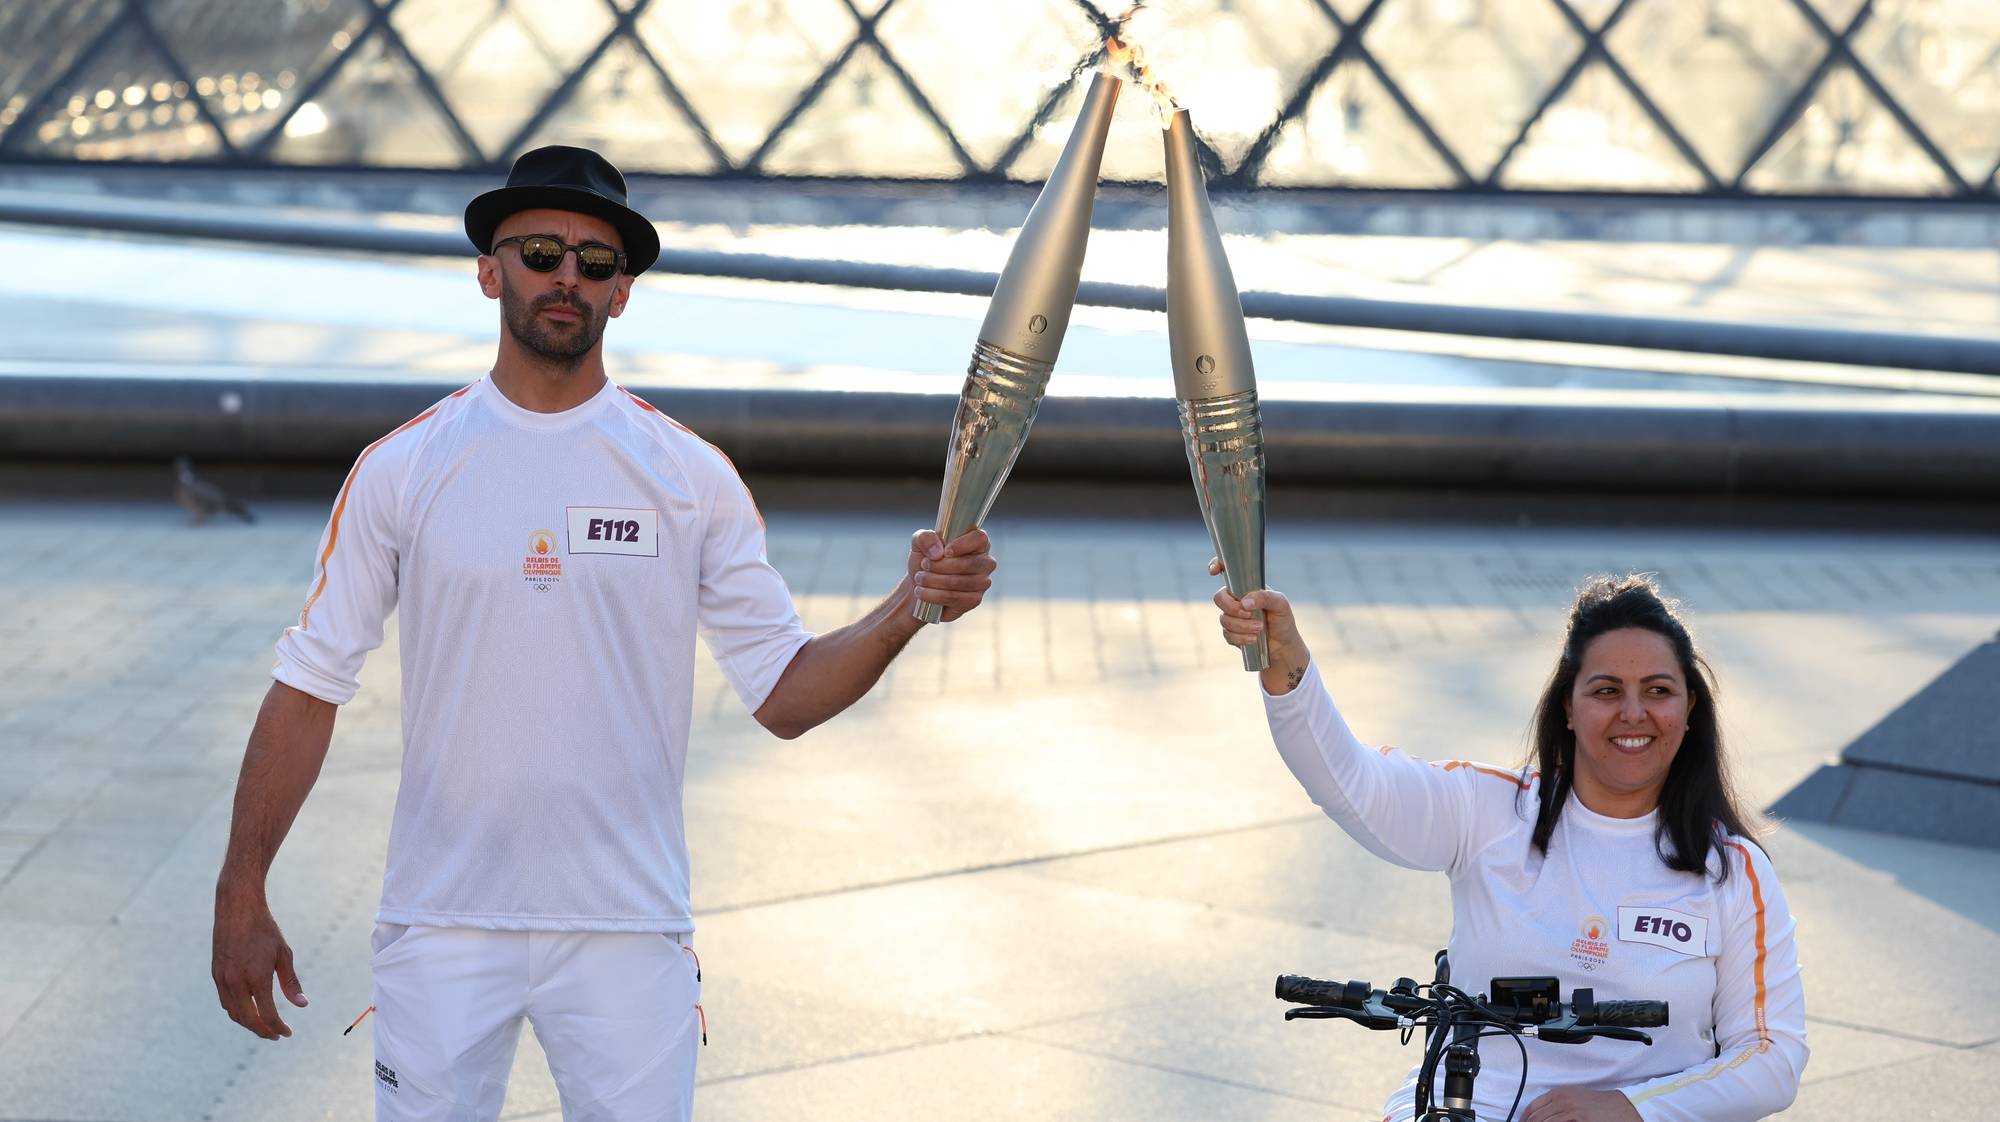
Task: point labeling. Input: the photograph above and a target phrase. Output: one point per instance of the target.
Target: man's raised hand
(953, 575)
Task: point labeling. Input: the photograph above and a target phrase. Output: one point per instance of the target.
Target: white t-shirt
(1599, 910)
(552, 572)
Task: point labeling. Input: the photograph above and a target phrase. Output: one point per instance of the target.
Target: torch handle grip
(996, 408)
(1257, 655)
(1224, 437)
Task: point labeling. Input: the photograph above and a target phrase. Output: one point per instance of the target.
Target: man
(555, 544)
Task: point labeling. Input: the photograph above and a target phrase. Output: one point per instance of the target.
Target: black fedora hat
(559, 177)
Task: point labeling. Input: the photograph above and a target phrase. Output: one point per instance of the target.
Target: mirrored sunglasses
(544, 254)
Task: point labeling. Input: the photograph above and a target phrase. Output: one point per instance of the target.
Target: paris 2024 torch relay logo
(1590, 950)
(542, 568)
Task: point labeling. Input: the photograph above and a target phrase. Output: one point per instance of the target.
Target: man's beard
(558, 347)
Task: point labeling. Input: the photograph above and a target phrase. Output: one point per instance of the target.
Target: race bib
(610, 529)
(1664, 927)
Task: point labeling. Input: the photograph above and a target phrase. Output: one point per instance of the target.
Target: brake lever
(1567, 1031)
(1330, 1012)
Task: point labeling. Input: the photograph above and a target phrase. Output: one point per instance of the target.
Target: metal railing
(1955, 354)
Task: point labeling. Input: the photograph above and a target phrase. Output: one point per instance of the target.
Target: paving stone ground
(1046, 870)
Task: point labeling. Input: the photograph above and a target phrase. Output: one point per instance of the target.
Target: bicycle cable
(1520, 1087)
(1450, 1002)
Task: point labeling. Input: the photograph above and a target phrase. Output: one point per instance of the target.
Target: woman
(1620, 861)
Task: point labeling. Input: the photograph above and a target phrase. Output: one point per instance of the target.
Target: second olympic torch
(1025, 322)
(1213, 378)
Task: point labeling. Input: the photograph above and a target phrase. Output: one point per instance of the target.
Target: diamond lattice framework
(1698, 96)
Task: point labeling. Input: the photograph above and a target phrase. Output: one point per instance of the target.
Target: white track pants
(615, 1013)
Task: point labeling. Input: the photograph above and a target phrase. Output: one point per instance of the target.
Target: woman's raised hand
(1265, 609)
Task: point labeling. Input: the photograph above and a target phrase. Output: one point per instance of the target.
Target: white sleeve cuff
(325, 687)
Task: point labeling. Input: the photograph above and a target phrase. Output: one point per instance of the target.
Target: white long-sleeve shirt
(552, 571)
(1599, 909)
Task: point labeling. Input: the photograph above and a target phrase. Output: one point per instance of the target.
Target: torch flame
(1131, 58)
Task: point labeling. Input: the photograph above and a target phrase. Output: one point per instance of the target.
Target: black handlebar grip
(1632, 1014)
(1311, 991)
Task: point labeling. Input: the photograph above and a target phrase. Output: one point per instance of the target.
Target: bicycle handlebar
(1454, 1021)
(1575, 1021)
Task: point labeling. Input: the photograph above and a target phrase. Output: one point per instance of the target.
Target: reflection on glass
(1597, 136)
(1839, 13)
(864, 115)
(1721, 71)
(108, 113)
(1353, 134)
(1475, 70)
(743, 65)
(986, 68)
(40, 41)
(622, 111)
(1939, 61)
(562, 32)
(247, 61)
(1845, 141)
(496, 63)
(373, 113)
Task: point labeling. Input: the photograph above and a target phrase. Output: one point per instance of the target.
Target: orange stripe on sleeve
(1763, 1026)
(1492, 771)
(1735, 1062)
(1454, 765)
(340, 506)
(1757, 897)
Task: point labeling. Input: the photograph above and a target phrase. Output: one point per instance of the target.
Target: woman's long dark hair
(1697, 804)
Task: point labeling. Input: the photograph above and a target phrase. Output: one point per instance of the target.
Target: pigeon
(202, 498)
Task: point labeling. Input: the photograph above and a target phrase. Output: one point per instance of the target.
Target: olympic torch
(1213, 378)
(1025, 322)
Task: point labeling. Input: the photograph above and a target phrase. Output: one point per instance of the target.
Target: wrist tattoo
(1294, 676)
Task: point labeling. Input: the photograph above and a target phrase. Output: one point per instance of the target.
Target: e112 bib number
(613, 530)
(621, 530)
